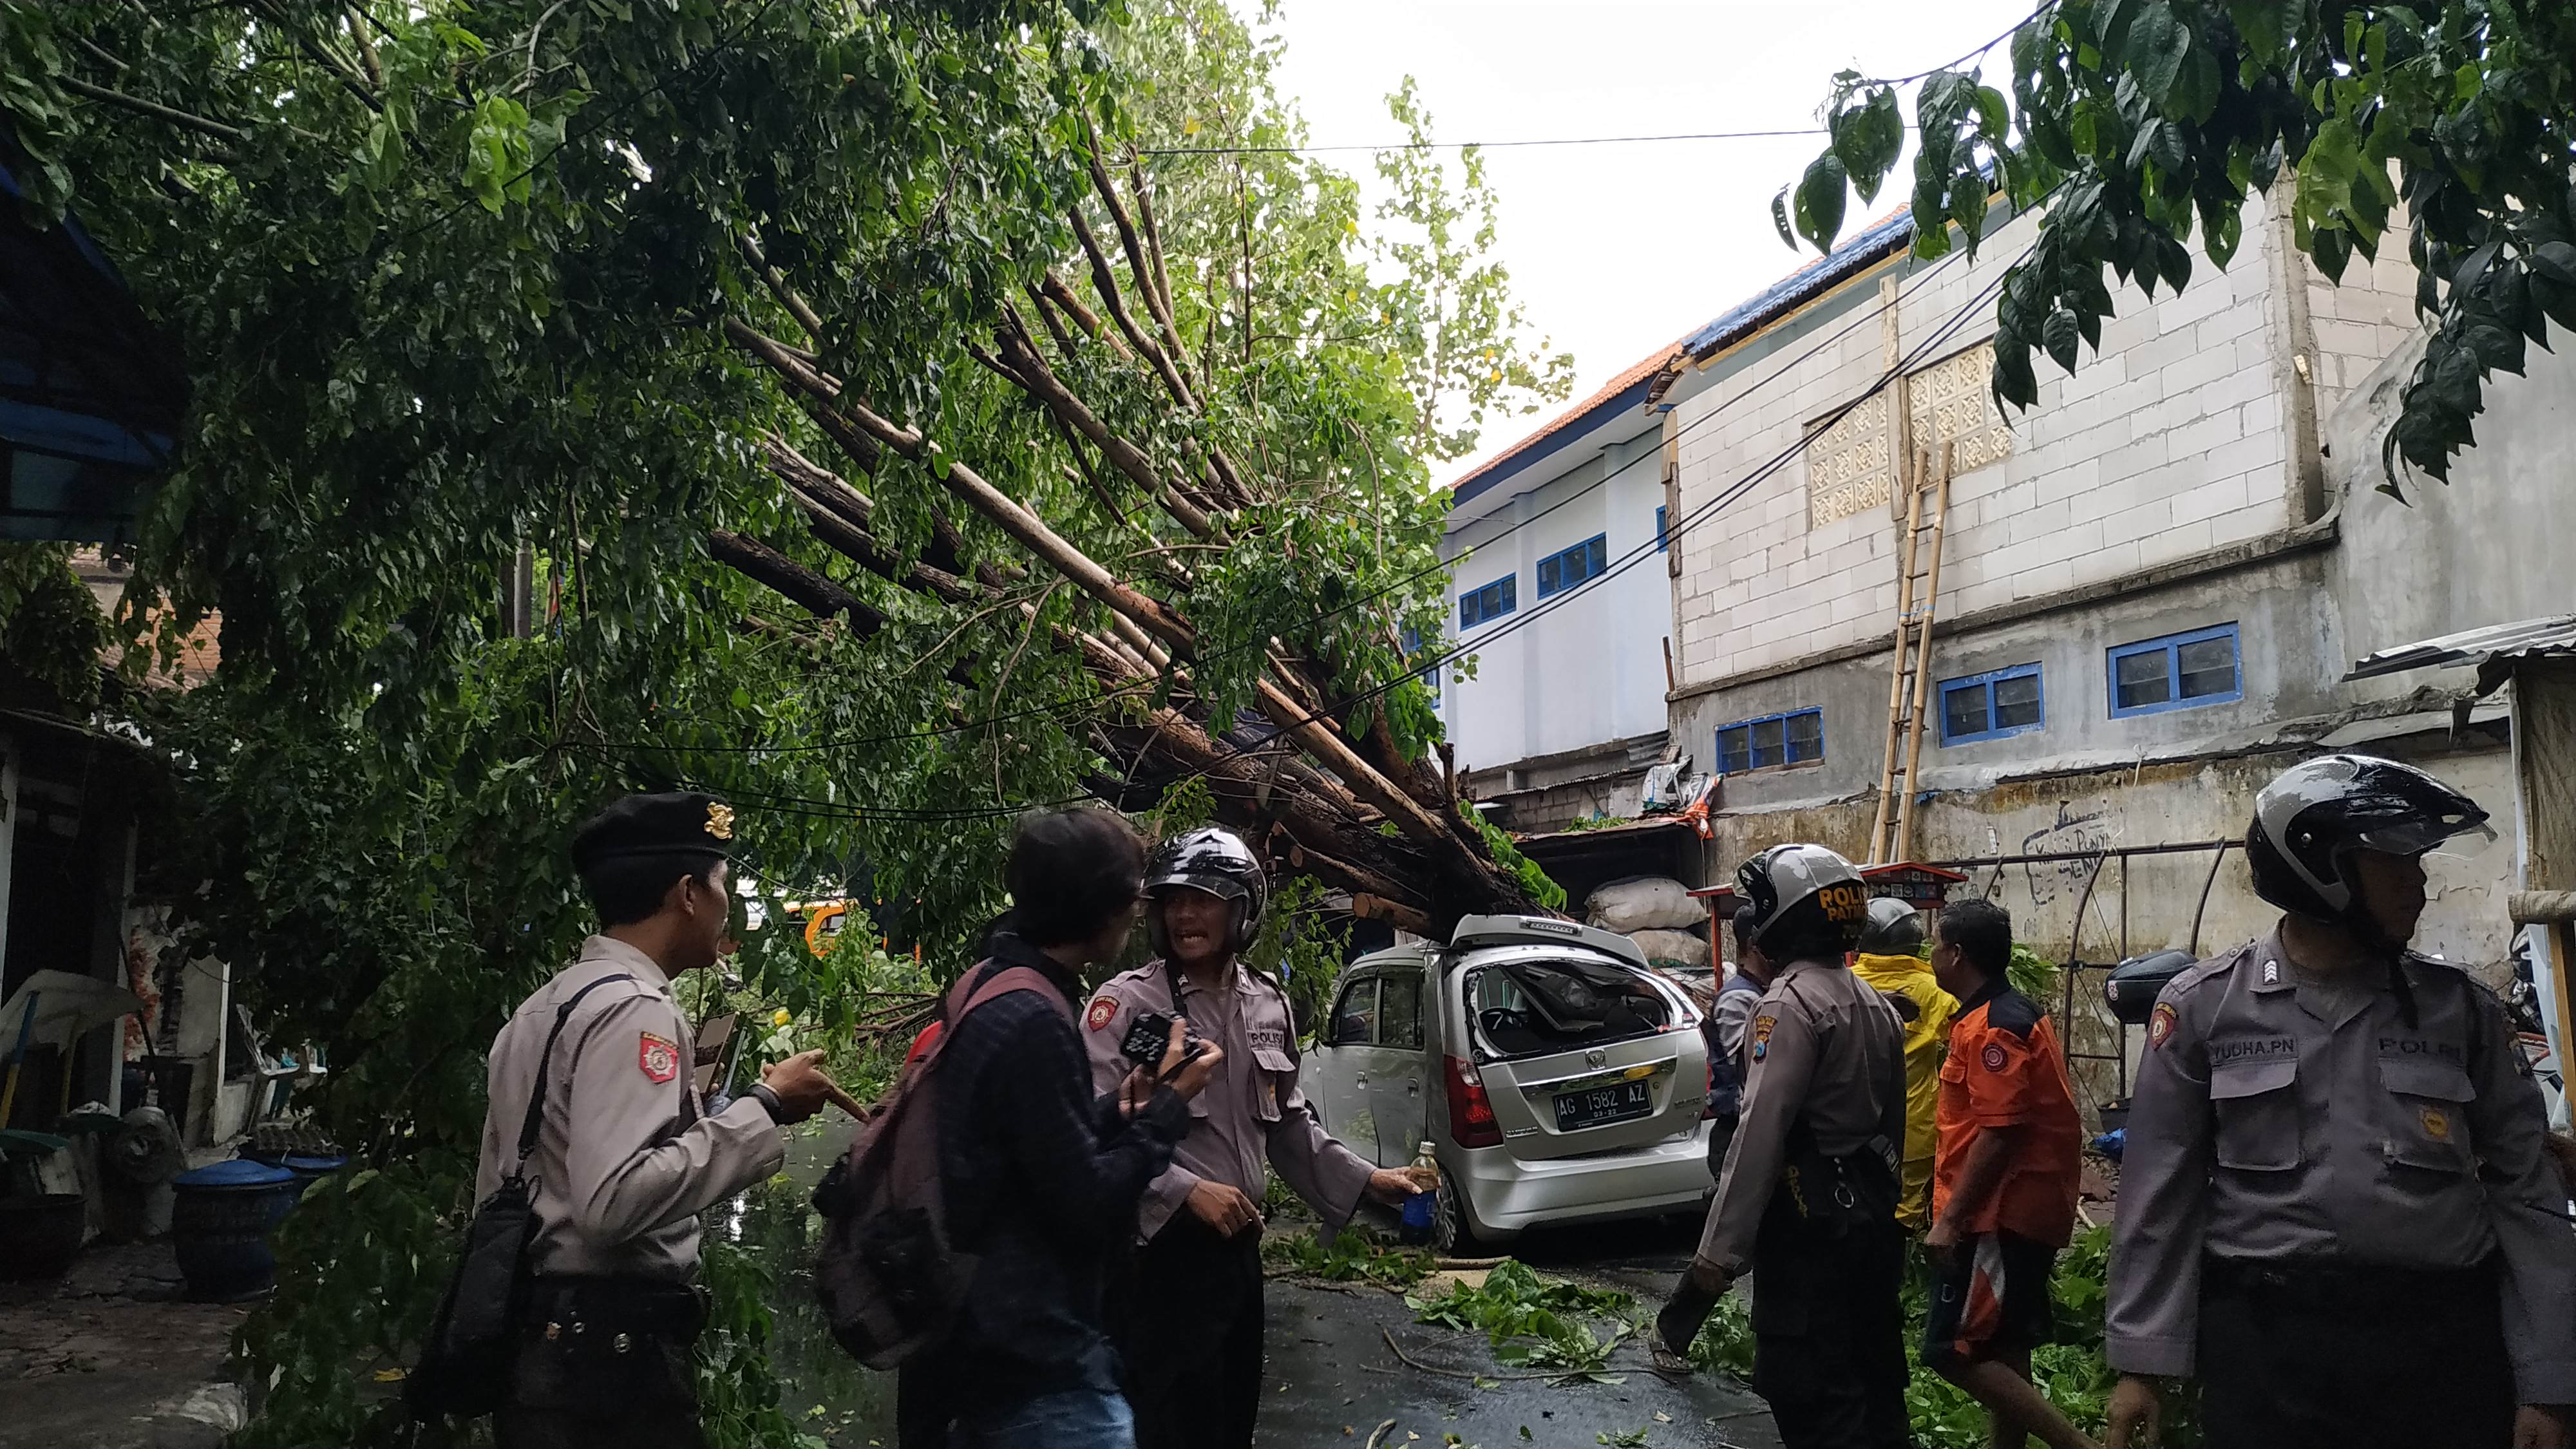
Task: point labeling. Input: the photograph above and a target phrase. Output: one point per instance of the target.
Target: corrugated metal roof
(2554, 634)
(1866, 248)
(1519, 455)
(1890, 234)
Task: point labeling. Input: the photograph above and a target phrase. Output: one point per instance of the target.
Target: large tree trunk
(1322, 790)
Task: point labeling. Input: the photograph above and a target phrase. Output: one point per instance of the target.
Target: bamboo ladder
(1891, 830)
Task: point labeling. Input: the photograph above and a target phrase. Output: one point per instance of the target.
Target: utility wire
(1472, 145)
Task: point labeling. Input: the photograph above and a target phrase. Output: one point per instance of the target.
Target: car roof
(1476, 932)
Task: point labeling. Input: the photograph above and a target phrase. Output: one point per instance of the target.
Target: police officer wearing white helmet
(1188, 1319)
(2335, 1208)
(1807, 1198)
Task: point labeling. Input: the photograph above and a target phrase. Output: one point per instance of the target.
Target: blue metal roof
(1863, 250)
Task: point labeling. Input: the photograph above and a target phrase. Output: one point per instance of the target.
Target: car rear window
(1531, 1008)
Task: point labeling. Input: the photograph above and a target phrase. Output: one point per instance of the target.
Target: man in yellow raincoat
(1887, 961)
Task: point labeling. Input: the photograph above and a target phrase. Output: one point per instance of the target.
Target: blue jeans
(1073, 1419)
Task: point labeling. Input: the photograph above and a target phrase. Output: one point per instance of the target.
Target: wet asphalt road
(1332, 1378)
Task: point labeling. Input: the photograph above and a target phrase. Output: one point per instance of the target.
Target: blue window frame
(1663, 540)
(1565, 568)
(2178, 671)
(1992, 705)
(1794, 738)
(1430, 676)
(1492, 601)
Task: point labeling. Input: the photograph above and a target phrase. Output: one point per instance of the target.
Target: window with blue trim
(1430, 675)
(1663, 540)
(1564, 569)
(1493, 601)
(1794, 738)
(2178, 671)
(1992, 705)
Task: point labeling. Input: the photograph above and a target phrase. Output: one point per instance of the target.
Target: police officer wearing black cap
(625, 1157)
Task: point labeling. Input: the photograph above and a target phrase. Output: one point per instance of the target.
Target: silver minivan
(1558, 1079)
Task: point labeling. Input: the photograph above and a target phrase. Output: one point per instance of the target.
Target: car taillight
(1471, 1116)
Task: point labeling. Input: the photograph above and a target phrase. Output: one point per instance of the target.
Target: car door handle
(1359, 1079)
(1412, 1088)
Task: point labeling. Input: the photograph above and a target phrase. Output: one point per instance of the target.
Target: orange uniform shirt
(2005, 1070)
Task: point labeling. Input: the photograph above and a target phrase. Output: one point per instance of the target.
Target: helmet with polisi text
(1807, 901)
(1214, 861)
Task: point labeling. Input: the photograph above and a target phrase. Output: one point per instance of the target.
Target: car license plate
(1603, 1104)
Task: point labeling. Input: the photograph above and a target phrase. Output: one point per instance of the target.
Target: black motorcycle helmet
(1808, 903)
(1895, 928)
(1217, 862)
(2311, 820)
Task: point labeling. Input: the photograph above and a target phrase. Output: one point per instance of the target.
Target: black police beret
(681, 823)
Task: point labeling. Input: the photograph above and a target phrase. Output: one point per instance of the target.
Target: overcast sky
(1617, 250)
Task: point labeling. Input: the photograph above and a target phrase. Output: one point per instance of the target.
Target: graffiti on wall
(2073, 833)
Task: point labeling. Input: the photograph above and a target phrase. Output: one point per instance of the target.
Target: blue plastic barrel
(310, 1170)
(219, 1222)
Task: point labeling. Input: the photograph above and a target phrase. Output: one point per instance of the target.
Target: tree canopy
(2137, 121)
(880, 415)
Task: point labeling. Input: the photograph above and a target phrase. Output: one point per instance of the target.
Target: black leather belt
(2344, 1285)
(674, 1311)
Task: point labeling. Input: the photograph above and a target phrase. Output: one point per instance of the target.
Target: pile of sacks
(1658, 914)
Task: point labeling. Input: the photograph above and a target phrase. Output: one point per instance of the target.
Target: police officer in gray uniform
(2335, 1208)
(1807, 1198)
(626, 1155)
(1189, 1315)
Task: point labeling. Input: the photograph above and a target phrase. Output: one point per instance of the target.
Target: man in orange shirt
(2003, 1184)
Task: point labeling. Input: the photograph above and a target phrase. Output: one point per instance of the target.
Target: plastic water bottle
(1420, 1207)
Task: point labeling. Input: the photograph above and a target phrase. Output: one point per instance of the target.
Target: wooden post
(2544, 756)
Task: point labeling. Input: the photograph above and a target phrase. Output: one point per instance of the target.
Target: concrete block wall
(2175, 439)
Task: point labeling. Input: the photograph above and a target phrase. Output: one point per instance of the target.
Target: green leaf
(2173, 260)
(1780, 219)
(2013, 381)
(1993, 118)
(2265, 24)
(1820, 201)
(2555, 260)
(2331, 250)
(2060, 334)
(2160, 43)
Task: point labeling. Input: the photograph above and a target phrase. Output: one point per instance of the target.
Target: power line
(1474, 145)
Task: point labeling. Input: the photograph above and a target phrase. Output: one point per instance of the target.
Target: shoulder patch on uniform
(1761, 1039)
(2193, 976)
(1103, 1011)
(659, 1056)
(2160, 1024)
(1993, 1056)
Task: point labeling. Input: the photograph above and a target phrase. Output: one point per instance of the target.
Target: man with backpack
(1040, 1179)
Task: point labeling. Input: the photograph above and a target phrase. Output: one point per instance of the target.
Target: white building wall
(2177, 438)
(1583, 668)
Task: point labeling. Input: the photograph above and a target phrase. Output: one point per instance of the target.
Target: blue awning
(92, 394)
